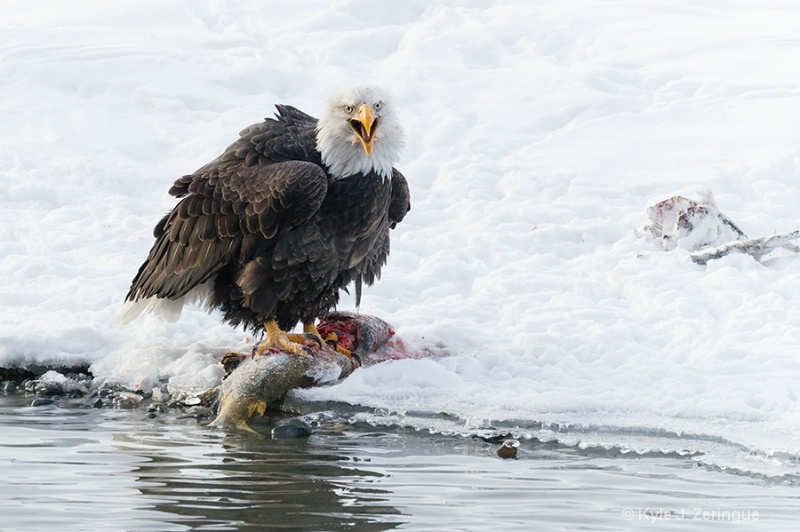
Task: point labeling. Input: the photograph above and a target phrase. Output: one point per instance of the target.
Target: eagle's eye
(349, 109)
(378, 105)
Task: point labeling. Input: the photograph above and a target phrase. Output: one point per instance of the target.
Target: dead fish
(361, 334)
(685, 223)
(259, 381)
(256, 383)
(701, 228)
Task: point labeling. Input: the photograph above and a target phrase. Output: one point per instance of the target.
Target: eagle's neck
(345, 158)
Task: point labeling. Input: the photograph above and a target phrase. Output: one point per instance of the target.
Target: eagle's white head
(359, 132)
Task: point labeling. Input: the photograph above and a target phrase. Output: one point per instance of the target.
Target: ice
(537, 136)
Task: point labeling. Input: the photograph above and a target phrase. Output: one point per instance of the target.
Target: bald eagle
(291, 213)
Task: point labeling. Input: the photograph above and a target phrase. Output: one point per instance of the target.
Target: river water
(69, 466)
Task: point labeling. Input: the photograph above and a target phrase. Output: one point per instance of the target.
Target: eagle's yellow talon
(333, 341)
(277, 339)
(302, 338)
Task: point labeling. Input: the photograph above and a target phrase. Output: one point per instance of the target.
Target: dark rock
(294, 428)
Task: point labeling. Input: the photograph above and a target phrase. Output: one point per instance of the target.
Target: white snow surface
(537, 135)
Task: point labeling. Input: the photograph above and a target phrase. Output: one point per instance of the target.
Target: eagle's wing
(399, 205)
(401, 199)
(233, 207)
(222, 218)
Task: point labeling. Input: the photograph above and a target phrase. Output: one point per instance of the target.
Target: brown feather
(276, 235)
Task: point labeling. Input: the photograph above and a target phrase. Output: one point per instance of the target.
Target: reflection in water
(83, 468)
(210, 480)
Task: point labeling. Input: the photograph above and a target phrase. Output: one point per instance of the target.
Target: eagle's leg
(275, 338)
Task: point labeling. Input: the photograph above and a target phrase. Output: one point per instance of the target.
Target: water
(68, 466)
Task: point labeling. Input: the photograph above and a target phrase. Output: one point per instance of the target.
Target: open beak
(364, 125)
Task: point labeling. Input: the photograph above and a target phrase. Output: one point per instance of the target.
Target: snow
(538, 133)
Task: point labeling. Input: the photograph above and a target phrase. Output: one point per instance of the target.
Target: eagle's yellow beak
(364, 125)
